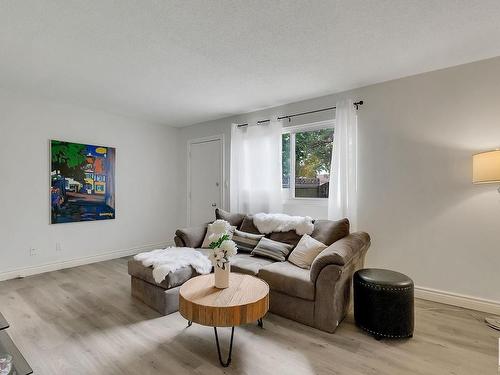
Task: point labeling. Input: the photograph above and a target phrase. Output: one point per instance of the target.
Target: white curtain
(256, 168)
(342, 201)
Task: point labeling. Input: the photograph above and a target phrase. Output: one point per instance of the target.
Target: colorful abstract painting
(82, 182)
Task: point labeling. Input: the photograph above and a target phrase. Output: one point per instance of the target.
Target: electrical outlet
(32, 251)
(58, 246)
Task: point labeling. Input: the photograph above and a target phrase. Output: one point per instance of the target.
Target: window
(306, 159)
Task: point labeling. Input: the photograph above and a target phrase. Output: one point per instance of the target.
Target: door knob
(216, 184)
(214, 204)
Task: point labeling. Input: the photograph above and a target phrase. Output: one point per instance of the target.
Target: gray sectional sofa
(318, 297)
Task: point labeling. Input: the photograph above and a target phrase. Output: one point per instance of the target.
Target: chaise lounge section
(319, 297)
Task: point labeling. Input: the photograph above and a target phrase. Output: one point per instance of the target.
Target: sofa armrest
(190, 237)
(341, 252)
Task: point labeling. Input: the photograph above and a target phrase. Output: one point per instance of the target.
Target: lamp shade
(486, 167)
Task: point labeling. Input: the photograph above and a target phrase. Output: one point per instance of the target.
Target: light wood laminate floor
(84, 321)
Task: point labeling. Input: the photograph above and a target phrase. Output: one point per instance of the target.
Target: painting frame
(82, 182)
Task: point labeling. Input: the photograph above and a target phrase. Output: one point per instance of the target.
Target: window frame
(292, 130)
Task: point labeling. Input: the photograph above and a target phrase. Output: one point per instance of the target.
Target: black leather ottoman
(383, 303)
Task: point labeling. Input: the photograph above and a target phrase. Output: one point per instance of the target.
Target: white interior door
(205, 180)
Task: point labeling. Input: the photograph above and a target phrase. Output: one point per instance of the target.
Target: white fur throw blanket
(171, 259)
(267, 223)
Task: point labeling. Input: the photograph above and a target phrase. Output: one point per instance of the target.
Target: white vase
(222, 276)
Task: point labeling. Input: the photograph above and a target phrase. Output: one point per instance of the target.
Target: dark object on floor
(383, 303)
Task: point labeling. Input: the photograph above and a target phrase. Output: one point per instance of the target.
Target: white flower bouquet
(222, 246)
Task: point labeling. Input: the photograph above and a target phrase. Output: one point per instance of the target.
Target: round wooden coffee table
(245, 301)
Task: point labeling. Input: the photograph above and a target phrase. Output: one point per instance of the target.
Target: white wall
(416, 199)
(146, 183)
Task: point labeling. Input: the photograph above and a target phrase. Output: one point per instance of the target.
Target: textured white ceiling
(182, 62)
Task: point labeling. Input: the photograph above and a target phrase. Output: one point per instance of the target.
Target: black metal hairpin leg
(260, 323)
(190, 322)
(227, 363)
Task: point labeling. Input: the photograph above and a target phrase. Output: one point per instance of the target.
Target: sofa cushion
(291, 237)
(272, 249)
(248, 226)
(191, 237)
(328, 231)
(173, 279)
(233, 219)
(250, 265)
(289, 279)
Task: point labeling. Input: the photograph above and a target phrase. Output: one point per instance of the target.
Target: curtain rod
(258, 123)
(289, 117)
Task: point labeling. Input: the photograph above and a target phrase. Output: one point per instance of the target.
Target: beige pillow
(306, 251)
(210, 231)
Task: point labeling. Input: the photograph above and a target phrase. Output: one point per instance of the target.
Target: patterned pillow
(272, 249)
(246, 242)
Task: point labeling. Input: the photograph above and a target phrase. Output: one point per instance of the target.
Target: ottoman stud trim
(384, 334)
(378, 287)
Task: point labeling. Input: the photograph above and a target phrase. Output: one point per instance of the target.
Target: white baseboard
(460, 300)
(448, 298)
(54, 266)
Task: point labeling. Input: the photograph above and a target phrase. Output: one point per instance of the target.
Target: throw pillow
(246, 242)
(211, 230)
(328, 231)
(290, 237)
(272, 249)
(233, 219)
(306, 251)
(248, 226)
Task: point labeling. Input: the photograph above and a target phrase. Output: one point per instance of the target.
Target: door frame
(190, 143)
